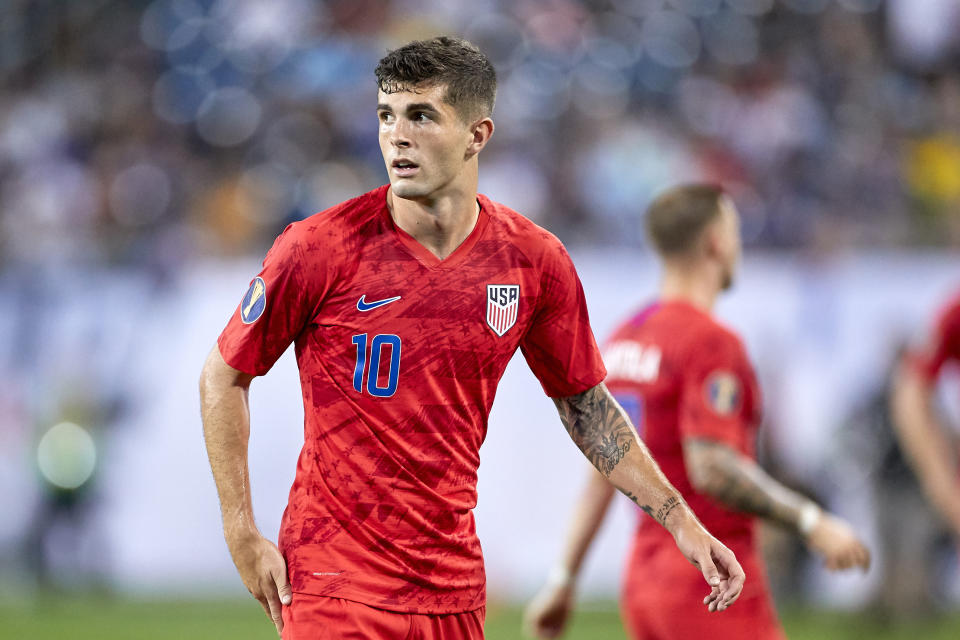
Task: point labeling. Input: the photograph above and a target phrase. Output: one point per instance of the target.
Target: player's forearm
(738, 482)
(226, 430)
(603, 432)
(588, 516)
(926, 445)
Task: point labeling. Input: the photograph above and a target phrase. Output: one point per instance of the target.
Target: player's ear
(713, 239)
(480, 133)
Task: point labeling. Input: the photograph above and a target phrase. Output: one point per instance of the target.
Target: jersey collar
(421, 253)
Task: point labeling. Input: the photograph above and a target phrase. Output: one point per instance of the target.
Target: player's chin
(408, 189)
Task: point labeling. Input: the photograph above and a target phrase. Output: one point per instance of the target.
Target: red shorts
(323, 618)
(663, 600)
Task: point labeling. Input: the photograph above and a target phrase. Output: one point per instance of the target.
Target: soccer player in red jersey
(923, 439)
(405, 305)
(687, 383)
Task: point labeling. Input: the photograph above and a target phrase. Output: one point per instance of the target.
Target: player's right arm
(731, 478)
(921, 435)
(226, 430)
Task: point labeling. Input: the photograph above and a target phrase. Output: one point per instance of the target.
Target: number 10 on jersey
(372, 374)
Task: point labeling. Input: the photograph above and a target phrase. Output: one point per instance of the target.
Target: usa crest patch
(503, 302)
(254, 301)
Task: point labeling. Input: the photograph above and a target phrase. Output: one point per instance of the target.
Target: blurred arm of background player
(925, 442)
(718, 471)
(739, 483)
(603, 432)
(226, 430)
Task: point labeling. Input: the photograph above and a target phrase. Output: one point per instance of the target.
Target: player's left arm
(603, 432)
(719, 471)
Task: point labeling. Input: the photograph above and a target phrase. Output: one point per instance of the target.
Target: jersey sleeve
(272, 313)
(559, 346)
(940, 346)
(714, 390)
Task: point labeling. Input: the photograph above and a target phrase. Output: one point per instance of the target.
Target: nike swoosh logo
(363, 305)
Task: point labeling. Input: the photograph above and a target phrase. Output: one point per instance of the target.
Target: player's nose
(399, 135)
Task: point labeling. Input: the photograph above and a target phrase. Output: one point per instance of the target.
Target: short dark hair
(676, 218)
(466, 71)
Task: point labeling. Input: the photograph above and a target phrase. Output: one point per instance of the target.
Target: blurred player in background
(929, 449)
(405, 305)
(687, 381)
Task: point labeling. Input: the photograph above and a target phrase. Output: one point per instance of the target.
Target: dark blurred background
(162, 130)
(151, 151)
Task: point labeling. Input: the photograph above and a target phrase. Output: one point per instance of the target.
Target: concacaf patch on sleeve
(723, 392)
(254, 301)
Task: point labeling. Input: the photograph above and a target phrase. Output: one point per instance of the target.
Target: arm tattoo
(660, 515)
(601, 429)
(597, 425)
(740, 483)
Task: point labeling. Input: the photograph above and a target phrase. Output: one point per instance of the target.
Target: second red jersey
(942, 346)
(400, 354)
(680, 374)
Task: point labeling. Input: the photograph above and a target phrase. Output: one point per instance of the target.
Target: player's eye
(385, 116)
(420, 116)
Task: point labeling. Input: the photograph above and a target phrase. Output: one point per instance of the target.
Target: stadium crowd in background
(173, 128)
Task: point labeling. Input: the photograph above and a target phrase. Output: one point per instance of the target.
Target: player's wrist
(680, 520)
(560, 577)
(240, 532)
(808, 517)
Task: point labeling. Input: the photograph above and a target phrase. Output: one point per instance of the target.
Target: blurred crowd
(147, 133)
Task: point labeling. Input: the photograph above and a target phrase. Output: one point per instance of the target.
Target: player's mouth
(403, 168)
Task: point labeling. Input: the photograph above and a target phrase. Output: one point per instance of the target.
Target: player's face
(728, 245)
(424, 141)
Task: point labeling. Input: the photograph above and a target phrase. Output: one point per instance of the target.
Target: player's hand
(717, 563)
(264, 573)
(547, 614)
(840, 547)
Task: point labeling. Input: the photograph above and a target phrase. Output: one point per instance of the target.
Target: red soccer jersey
(942, 346)
(680, 374)
(400, 355)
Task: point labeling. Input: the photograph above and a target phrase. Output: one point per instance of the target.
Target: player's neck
(695, 285)
(441, 223)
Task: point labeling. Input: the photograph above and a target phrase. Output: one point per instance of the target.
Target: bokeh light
(67, 456)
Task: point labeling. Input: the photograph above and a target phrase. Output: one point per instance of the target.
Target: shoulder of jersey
(697, 330)
(344, 218)
(714, 336)
(523, 231)
(711, 326)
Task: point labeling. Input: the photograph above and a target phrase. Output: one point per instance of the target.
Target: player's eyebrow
(421, 106)
(410, 108)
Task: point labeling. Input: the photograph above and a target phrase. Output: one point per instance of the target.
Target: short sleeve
(941, 345)
(559, 345)
(272, 313)
(715, 388)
